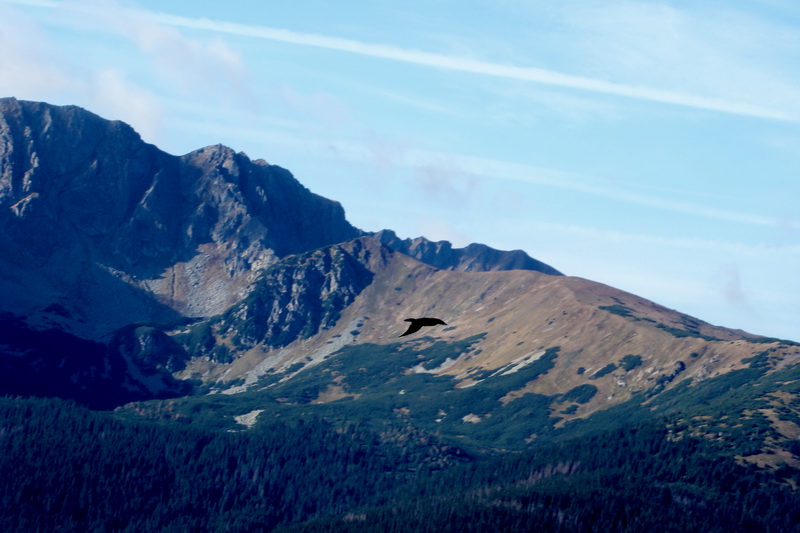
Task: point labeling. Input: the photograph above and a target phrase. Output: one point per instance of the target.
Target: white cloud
(113, 96)
(189, 65)
(34, 3)
(29, 64)
(33, 68)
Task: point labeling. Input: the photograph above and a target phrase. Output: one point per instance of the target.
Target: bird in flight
(419, 323)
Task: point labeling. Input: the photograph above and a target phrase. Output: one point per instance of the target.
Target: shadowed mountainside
(103, 233)
(91, 213)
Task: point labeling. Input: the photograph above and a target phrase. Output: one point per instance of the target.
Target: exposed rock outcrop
(294, 298)
(90, 213)
(473, 258)
(55, 363)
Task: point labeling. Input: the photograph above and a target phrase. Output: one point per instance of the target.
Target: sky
(653, 146)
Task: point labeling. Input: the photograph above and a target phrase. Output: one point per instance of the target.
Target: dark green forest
(66, 468)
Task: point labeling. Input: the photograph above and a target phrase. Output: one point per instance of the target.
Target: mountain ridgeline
(212, 304)
(104, 233)
(88, 204)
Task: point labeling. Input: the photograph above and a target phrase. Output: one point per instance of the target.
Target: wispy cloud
(22, 45)
(590, 185)
(733, 288)
(33, 67)
(34, 3)
(728, 50)
(642, 20)
(446, 182)
(463, 64)
(321, 105)
(631, 239)
(188, 65)
(387, 157)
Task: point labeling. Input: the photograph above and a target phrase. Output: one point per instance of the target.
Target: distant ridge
(472, 258)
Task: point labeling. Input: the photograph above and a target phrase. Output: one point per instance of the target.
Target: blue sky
(652, 146)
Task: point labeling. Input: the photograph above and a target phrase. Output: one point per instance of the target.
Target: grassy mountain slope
(526, 357)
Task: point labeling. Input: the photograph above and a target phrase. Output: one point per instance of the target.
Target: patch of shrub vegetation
(294, 368)
(760, 360)
(221, 354)
(681, 333)
(630, 361)
(770, 340)
(617, 309)
(580, 394)
(609, 368)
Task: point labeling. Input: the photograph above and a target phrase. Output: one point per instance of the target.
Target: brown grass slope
(521, 313)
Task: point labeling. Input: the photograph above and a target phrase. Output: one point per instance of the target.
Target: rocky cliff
(92, 214)
(109, 239)
(474, 257)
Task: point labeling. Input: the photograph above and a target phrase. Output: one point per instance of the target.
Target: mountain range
(216, 291)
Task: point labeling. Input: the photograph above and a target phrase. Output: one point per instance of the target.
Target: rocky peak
(94, 216)
(83, 198)
(290, 218)
(474, 257)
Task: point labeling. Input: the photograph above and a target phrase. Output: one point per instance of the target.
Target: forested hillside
(64, 468)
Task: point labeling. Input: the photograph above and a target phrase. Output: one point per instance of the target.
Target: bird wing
(413, 328)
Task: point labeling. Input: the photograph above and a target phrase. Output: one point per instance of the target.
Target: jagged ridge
(111, 239)
(81, 196)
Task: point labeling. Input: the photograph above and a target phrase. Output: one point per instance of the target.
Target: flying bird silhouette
(419, 323)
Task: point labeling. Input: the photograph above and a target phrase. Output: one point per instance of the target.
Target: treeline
(65, 468)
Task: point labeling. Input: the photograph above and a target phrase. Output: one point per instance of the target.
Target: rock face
(303, 294)
(54, 363)
(110, 240)
(91, 213)
(102, 229)
(299, 296)
(473, 258)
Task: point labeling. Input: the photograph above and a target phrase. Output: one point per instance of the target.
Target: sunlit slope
(584, 346)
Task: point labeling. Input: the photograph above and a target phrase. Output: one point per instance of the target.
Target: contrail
(434, 60)
(417, 57)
